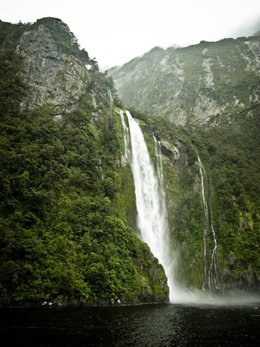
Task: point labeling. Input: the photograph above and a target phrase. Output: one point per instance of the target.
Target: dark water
(148, 325)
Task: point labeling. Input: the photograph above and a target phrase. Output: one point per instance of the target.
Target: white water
(210, 276)
(150, 196)
(206, 224)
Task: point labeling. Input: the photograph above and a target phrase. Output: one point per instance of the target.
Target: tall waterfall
(210, 275)
(150, 196)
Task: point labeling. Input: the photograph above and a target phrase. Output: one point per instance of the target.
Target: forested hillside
(63, 213)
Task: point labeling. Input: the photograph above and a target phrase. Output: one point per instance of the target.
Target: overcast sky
(115, 31)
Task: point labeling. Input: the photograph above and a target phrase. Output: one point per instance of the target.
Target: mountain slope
(67, 200)
(195, 83)
(67, 203)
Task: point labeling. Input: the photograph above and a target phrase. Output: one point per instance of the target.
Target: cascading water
(152, 214)
(210, 276)
(150, 197)
(206, 224)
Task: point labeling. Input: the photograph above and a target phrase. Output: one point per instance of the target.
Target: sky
(116, 31)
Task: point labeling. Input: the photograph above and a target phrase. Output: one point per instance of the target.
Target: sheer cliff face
(53, 77)
(194, 83)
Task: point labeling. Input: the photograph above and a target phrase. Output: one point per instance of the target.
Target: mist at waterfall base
(153, 225)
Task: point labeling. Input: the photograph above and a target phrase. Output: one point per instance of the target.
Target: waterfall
(206, 223)
(210, 276)
(152, 221)
(150, 196)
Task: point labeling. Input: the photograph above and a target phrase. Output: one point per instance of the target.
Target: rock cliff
(54, 77)
(195, 84)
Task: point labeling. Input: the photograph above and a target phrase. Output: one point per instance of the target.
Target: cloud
(115, 31)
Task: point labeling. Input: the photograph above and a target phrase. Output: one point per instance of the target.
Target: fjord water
(159, 325)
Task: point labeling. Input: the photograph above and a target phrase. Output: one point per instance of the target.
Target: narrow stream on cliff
(210, 275)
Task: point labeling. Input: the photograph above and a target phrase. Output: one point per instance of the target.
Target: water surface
(147, 325)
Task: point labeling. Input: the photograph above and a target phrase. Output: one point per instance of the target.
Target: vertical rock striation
(54, 77)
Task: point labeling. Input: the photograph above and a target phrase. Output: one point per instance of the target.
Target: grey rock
(154, 272)
(169, 150)
(232, 261)
(166, 83)
(244, 281)
(54, 77)
(163, 284)
(58, 118)
(97, 116)
(124, 161)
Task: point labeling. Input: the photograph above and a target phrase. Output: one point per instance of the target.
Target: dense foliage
(63, 232)
(67, 204)
(231, 154)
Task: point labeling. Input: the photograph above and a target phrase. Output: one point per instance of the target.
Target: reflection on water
(148, 325)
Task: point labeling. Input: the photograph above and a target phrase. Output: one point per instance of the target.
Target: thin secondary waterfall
(206, 224)
(150, 197)
(210, 276)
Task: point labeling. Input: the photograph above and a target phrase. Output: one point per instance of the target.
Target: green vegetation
(67, 202)
(231, 154)
(64, 207)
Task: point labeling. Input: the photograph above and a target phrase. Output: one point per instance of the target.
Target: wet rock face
(151, 279)
(232, 261)
(54, 77)
(244, 281)
(238, 276)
